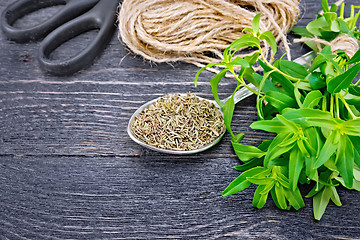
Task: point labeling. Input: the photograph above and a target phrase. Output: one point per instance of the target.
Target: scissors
(75, 18)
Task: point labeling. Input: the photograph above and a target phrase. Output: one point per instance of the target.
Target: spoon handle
(241, 94)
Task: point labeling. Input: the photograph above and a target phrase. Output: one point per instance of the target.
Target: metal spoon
(238, 96)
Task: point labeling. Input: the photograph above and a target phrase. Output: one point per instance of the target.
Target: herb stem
(332, 105)
(278, 70)
(242, 82)
(347, 107)
(337, 105)
(323, 106)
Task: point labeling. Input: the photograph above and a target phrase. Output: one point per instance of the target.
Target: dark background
(68, 169)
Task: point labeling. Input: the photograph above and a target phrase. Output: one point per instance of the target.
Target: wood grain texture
(68, 170)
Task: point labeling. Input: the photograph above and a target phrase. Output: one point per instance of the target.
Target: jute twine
(343, 42)
(198, 31)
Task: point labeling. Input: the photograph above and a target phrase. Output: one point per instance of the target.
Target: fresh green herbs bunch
(329, 25)
(314, 112)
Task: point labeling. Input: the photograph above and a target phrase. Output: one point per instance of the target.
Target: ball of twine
(342, 42)
(198, 31)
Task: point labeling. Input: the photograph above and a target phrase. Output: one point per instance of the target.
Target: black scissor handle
(102, 17)
(18, 9)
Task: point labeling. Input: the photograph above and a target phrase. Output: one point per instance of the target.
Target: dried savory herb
(179, 122)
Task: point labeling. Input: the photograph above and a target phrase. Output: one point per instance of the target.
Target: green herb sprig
(314, 112)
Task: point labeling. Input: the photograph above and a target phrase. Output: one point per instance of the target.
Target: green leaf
(280, 197)
(269, 86)
(315, 26)
(298, 96)
(356, 143)
(316, 189)
(345, 160)
(252, 58)
(260, 196)
(355, 58)
(304, 86)
(282, 180)
(250, 164)
(342, 11)
(344, 28)
(304, 150)
(357, 173)
(296, 164)
(228, 111)
(333, 8)
(240, 61)
(256, 23)
(292, 68)
(330, 17)
(312, 99)
(294, 197)
(282, 143)
(352, 99)
(291, 126)
(335, 197)
(280, 100)
(303, 32)
(237, 138)
(269, 38)
(273, 196)
(320, 202)
(355, 90)
(247, 152)
(247, 29)
(351, 127)
(214, 83)
(274, 126)
(260, 180)
(247, 40)
(325, 5)
(343, 80)
(268, 188)
(327, 150)
(316, 80)
(322, 122)
(253, 77)
(202, 69)
(319, 59)
(328, 70)
(306, 114)
(240, 183)
(314, 139)
(287, 85)
(335, 26)
(330, 58)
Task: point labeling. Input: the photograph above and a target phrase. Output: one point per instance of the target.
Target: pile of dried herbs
(314, 111)
(179, 123)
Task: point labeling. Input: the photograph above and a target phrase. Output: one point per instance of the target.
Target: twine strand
(342, 42)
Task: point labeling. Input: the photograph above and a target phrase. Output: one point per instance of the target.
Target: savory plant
(314, 112)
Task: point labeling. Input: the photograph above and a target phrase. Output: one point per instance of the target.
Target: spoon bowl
(239, 95)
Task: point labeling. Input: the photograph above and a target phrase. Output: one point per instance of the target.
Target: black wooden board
(68, 169)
